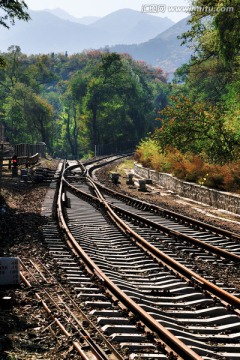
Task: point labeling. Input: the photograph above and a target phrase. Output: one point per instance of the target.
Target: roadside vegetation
(189, 167)
(198, 137)
(125, 165)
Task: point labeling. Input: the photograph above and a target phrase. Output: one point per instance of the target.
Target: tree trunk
(94, 129)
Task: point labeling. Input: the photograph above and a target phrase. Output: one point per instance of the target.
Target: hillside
(164, 50)
(129, 26)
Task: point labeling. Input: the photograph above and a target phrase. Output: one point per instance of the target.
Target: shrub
(189, 167)
(231, 174)
(146, 151)
(195, 168)
(215, 178)
(175, 158)
(157, 161)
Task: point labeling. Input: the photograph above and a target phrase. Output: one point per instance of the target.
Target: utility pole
(1, 153)
(1, 166)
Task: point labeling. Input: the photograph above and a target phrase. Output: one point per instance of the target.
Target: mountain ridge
(117, 27)
(62, 14)
(164, 50)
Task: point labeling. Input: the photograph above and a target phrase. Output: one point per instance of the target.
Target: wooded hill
(73, 103)
(145, 37)
(164, 50)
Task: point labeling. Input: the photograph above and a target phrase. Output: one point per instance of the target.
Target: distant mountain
(62, 14)
(164, 50)
(87, 20)
(129, 26)
(47, 32)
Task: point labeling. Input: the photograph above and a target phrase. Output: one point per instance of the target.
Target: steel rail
(94, 347)
(85, 317)
(98, 161)
(82, 332)
(65, 228)
(207, 285)
(172, 341)
(165, 213)
(75, 344)
(224, 253)
(157, 209)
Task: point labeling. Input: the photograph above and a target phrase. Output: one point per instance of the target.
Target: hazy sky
(80, 8)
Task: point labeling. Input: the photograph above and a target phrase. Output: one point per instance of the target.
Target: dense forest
(73, 103)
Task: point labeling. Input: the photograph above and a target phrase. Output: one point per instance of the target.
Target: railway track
(60, 307)
(185, 303)
(99, 304)
(141, 283)
(190, 238)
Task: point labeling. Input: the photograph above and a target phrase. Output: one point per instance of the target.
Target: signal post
(14, 165)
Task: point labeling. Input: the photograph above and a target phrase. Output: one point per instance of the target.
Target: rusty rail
(207, 285)
(171, 340)
(171, 214)
(221, 252)
(75, 344)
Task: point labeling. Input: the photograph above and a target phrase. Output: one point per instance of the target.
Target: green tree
(14, 114)
(11, 10)
(19, 82)
(196, 127)
(215, 30)
(118, 99)
(27, 116)
(83, 100)
(38, 115)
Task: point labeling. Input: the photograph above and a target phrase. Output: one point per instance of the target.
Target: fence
(21, 160)
(30, 149)
(115, 148)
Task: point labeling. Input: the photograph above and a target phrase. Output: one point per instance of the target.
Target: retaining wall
(215, 198)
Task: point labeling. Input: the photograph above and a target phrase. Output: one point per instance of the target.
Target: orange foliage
(190, 167)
